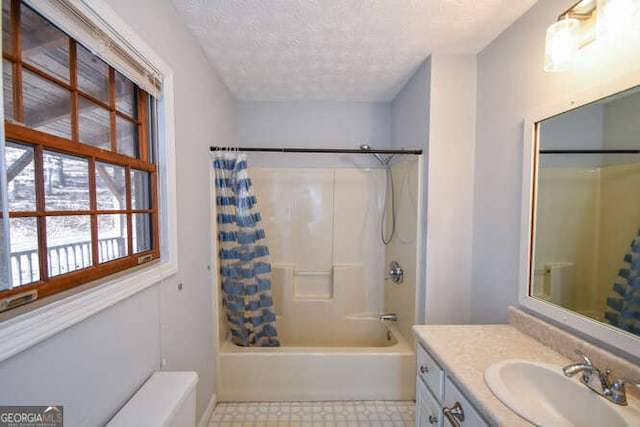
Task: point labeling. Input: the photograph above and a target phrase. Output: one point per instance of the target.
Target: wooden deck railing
(63, 258)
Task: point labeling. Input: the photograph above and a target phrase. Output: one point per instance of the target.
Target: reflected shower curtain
(244, 263)
(623, 304)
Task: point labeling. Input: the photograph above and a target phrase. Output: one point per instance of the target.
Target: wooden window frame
(41, 141)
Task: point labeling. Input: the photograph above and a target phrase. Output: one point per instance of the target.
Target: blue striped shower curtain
(244, 264)
(623, 304)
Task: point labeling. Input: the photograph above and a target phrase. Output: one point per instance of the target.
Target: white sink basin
(544, 396)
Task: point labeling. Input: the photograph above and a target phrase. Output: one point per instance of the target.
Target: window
(79, 157)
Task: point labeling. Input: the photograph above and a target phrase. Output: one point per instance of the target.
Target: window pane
(7, 88)
(47, 106)
(66, 182)
(95, 124)
(140, 189)
(25, 265)
(68, 243)
(112, 237)
(142, 231)
(110, 187)
(20, 177)
(127, 137)
(125, 95)
(93, 75)
(6, 28)
(43, 45)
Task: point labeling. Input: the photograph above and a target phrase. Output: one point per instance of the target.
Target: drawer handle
(454, 414)
(424, 369)
(433, 419)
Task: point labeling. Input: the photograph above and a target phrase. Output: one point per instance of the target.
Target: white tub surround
(381, 369)
(465, 351)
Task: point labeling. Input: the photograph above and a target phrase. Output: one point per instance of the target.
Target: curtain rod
(562, 151)
(316, 150)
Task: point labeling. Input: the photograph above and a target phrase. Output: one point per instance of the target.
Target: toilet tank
(167, 399)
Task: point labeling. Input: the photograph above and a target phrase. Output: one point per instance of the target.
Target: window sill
(25, 330)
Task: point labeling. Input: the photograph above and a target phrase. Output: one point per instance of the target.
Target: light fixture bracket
(585, 12)
(582, 10)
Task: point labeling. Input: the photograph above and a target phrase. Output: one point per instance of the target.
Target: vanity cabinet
(437, 394)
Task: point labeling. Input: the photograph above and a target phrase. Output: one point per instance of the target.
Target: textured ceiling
(357, 50)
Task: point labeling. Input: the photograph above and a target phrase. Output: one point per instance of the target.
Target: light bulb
(616, 19)
(561, 45)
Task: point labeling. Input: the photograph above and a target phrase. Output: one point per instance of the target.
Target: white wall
(94, 366)
(91, 368)
(435, 111)
(410, 130)
(312, 125)
(450, 188)
(511, 84)
(410, 111)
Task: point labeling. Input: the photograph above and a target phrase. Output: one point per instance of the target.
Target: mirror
(587, 211)
(581, 216)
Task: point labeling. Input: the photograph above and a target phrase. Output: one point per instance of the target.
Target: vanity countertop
(464, 351)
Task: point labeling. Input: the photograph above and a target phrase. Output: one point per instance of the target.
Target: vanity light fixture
(575, 28)
(586, 21)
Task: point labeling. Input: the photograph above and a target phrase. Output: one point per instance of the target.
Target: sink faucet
(612, 391)
(389, 316)
(587, 369)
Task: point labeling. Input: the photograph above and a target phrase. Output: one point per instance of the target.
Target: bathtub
(355, 359)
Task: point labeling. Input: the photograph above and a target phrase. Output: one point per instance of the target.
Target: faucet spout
(571, 370)
(389, 316)
(603, 387)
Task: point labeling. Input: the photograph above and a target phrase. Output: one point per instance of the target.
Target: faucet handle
(624, 381)
(586, 358)
(620, 383)
(396, 274)
(618, 392)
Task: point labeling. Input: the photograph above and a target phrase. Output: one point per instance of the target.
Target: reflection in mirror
(586, 254)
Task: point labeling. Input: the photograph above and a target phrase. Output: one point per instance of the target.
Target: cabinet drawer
(453, 395)
(427, 407)
(430, 372)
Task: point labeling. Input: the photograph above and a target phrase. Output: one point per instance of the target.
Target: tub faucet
(389, 316)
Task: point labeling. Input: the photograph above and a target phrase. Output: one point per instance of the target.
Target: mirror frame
(583, 325)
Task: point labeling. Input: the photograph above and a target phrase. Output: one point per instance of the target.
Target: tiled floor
(313, 414)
